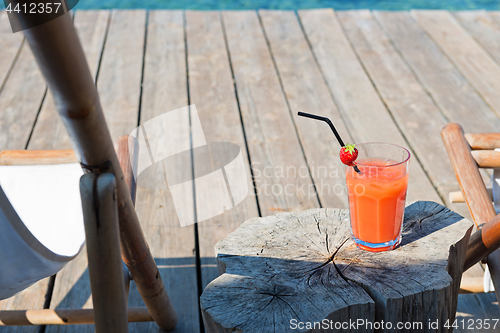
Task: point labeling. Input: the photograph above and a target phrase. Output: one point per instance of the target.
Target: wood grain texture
(211, 88)
(34, 297)
(49, 131)
(476, 307)
(481, 25)
(10, 45)
(483, 140)
(306, 91)
(72, 287)
(451, 91)
(471, 59)
(491, 233)
(127, 154)
(459, 197)
(366, 116)
(119, 82)
(278, 162)
(64, 317)
(487, 158)
(467, 173)
(413, 109)
(403, 94)
(475, 193)
(20, 101)
(321, 274)
(173, 247)
(102, 235)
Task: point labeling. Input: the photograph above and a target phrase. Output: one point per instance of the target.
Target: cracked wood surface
(305, 266)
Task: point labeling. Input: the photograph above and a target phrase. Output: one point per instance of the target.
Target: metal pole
(59, 55)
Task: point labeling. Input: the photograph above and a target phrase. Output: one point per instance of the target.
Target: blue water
(289, 4)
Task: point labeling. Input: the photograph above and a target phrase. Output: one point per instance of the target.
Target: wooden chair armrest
(467, 172)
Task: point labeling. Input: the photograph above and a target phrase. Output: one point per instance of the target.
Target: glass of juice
(377, 195)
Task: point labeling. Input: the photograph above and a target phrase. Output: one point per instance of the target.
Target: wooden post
(59, 55)
(304, 266)
(466, 169)
(100, 215)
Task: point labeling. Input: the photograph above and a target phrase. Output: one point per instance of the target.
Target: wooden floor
(380, 76)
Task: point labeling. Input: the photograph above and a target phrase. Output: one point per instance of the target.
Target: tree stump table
(301, 272)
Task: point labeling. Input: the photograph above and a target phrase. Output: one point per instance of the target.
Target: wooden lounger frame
(68, 316)
(466, 164)
(61, 59)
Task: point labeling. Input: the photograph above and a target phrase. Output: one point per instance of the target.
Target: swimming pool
(289, 4)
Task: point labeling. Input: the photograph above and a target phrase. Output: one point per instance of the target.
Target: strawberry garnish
(348, 154)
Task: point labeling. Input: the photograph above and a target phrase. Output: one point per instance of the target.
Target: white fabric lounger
(41, 223)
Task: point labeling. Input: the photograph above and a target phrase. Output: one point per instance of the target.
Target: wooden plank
(275, 151)
(20, 101)
(9, 44)
(49, 132)
(401, 92)
(470, 58)
(306, 91)
(211, 88)
(481, 25)
(472, 307)
(366, 116)
(165, 89)
(450, 90)
(119, 80)
(122, 59)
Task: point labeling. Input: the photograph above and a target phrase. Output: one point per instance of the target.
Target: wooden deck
(380, 76)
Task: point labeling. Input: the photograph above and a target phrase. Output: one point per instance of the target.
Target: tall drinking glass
(377, 195)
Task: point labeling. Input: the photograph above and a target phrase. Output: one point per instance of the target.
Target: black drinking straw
(329, 122)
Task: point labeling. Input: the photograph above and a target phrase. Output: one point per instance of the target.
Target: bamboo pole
(103, 251)
(124, 157)
(59, 55)
(64, 317)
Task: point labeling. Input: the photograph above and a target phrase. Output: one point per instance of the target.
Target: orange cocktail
(377, 195)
